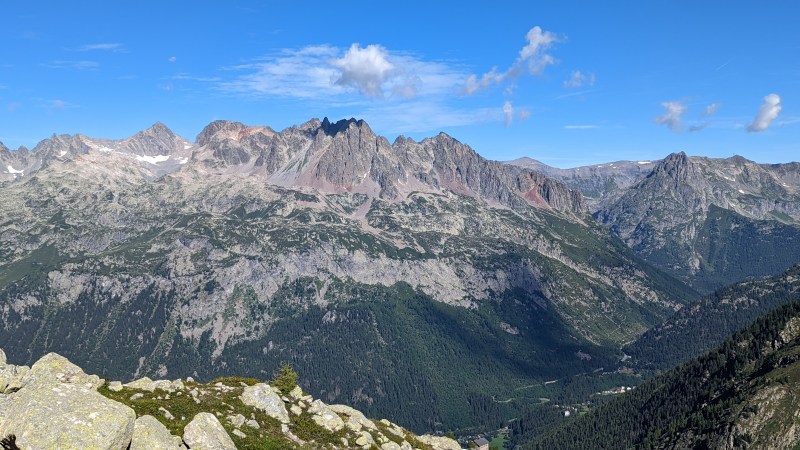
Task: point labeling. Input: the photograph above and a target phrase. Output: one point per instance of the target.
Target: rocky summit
(54, 404)
(421, 264)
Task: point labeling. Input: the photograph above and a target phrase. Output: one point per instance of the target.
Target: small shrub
(285, 379)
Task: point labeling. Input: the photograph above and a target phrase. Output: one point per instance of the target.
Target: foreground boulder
(205, 432)
(265, 398)
(150, 434)
(59, 407)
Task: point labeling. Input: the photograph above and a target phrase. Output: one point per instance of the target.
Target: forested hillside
(740, 395)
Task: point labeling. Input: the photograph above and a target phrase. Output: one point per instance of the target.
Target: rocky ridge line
(54, 404)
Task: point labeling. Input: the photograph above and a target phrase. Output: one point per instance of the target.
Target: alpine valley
(415, 281)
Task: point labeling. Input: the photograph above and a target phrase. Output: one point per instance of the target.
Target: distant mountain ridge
(708, 221)
(324, 245)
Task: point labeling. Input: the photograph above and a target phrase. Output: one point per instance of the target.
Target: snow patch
(152, 159)
(15, 171)
(97, 147)
(187, 146)
(741, 191)
(182, 160)
(63, 152)
(644, 162)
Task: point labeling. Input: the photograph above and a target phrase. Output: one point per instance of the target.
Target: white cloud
(365, 69)
(109, 47)
(580, 127)
(534, 53)
(473, 84)
(673, 115)
(172, 59)
(508, 112)
(768, 112)
(326, 73)
(533, 57)
(524, 114)
(74, 65)
(710, 109)
(579, 79)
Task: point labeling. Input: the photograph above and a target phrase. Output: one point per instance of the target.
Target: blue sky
(568, 83)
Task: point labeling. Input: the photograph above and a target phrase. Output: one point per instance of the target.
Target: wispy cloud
(329, 74)
(770, 108)
(108, 47)
(673, 115)
(579, 79)
(508, 113)
(172, 59)
(423, 116)
(533, 58)
(574, 94)
(72, 65)
(710, 110)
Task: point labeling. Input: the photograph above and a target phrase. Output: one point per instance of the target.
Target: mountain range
(709, 222)
(413, 280)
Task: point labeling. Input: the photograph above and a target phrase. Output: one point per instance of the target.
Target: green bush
(285, 378)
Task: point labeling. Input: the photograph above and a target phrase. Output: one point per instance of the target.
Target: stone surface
(115, 386)
(265, 398)
(205, 432)
(54, 367)
(296, 410)
(325, 417)
(439, 442)
(237, 420)
(12, 377)
(355, 418)
(2, 356)
(365, 439)
(75, 416)
(150, 434)
(143, 384)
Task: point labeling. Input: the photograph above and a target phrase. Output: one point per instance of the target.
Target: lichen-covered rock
(365, 439)
(324, 416)
(390, 446)
(2, 356)
(296, 393)
(355, 418)
(205, 432)
(177, 384)
(13, 377)
(55, 415)
(142, 384)
(53, 367)
(265, 398)
(150, 434)
(237, 420)
(115, 386)
(439, 442)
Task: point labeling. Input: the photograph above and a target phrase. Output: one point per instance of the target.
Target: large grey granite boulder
(439, 442)
(13, 377)
(355, 418)
(53, 415)
(265, 398)
(53, 367)
(150, 434)
(205, 432)
(324, 416)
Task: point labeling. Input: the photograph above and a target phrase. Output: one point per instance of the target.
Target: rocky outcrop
(439, 442)
(267, 399)
(58, 406)
(205, 432)
(150, 434)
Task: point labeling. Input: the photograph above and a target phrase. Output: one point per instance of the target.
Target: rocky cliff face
(323, 245)
(703, 219)
(54, 404)
(600, 184)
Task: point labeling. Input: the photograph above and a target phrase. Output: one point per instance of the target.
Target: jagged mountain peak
(220, 130)
(332, 129)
